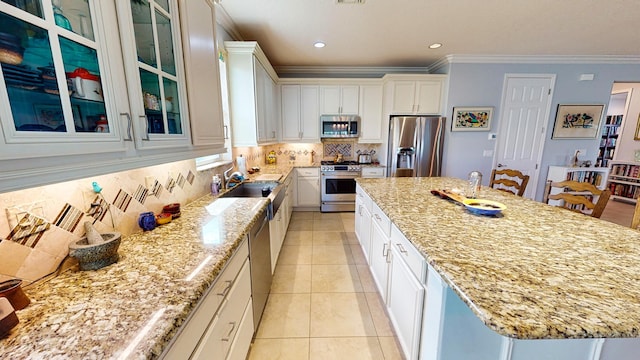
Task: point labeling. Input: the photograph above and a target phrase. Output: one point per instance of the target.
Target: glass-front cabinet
(56, 83)
(153, 53)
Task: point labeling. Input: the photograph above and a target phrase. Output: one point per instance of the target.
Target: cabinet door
(371, 123)
(308, 191)
(309, 114)
(261, 81)
(155, 74)
(405, 303)
(428, 96)
(378, 259)
(363, 229)
(203, 86)
(291, 112)
(271, 109)
(349, 99)
(330, 100)
(403, 97)
(60, 88)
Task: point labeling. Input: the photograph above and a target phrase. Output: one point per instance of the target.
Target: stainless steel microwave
(339, 126)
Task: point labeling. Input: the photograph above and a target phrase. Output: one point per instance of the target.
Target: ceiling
(396, 33)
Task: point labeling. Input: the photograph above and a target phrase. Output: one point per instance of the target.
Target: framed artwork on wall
(577, 121)
(471, 118)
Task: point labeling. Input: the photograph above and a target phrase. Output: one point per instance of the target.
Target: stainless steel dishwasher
(260, 262)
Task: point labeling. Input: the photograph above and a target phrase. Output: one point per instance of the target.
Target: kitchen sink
(254, 189)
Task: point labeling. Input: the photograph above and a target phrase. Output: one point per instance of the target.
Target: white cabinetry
(371, 120)
(308, 187)
(363, 221)
(415, 94)
(339, 99)
(252, 95)
(379, 259)
(300, 114)
(373, 172)
(222, 322)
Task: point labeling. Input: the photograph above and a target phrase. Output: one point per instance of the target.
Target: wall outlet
(487, 153)
(149, 181)
(492, 136)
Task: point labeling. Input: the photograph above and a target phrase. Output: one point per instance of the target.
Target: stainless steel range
(338, 185)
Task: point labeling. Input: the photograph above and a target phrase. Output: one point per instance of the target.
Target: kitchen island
(535, 282)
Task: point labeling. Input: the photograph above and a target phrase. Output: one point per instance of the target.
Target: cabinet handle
(377, 217)
(226, 289)
(146, 127)
(226, 132)
(129, 124)
(228, 337)
(384, 250)
(401, 248)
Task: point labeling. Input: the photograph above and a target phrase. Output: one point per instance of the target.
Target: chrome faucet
(226, 176)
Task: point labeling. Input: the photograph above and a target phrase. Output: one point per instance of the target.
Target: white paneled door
(526, 102)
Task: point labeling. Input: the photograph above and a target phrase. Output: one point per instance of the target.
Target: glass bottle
(474, 184)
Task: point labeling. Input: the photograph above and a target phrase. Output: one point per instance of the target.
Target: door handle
(501, 165)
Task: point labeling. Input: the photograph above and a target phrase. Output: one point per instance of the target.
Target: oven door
(339, 188)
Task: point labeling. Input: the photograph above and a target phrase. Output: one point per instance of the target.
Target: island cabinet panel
(363, 221)
(379, 259)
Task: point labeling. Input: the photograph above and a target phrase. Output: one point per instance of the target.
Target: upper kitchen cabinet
(414, 94)
(300, 116)
(371, 122)
(60, 80)
(198, 22)
(339, 99)
(253, 95)
(152, 47)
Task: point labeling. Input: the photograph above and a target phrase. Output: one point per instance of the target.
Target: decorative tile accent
(29, 230)
(190, 177)
(171, 183)
(68, 218)
(180, 181)
(331, 149)
(156, 189)
(122, 200)
(99, 211)
(141, 194)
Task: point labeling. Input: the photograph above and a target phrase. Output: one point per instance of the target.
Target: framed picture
(577, 121)
(52, 115)
(471, 119)
(637, 135)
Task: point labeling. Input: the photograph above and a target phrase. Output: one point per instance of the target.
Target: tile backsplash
(37, 224)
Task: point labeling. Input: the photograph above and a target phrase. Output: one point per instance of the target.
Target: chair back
(509, 180)
(577, 196)
(635, 221)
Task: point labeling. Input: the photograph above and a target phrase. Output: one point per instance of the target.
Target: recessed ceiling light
(435, 46)
(319, 44)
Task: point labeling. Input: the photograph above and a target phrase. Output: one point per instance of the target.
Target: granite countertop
(537, 272)
(133, 308)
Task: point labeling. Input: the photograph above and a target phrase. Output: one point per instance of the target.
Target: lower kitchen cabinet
(373, 172)
(222, 323)
(308, 187)
(363, 221)
(277, 232)
(379, 258)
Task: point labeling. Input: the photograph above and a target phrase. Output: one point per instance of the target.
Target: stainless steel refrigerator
(415, 146)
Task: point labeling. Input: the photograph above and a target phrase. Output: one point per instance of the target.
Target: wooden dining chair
(635, 221)
(577, 196)
(509, 180)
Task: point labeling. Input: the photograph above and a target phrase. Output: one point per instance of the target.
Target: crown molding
(538, 59)
(346, 71)
(223, 19)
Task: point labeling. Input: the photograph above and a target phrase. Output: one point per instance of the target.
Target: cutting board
(268, 177)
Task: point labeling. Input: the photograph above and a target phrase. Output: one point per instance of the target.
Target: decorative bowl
(483, 207)
(163, 218)
(12, 290)
(96, 256)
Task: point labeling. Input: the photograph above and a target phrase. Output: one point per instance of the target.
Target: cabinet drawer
(308, 172)
(222, 331)
(414, 260)
(372, 172)
(381, 219)
(363, 198)
(200, 318)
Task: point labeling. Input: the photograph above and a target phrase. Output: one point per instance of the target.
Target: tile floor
(323, 302)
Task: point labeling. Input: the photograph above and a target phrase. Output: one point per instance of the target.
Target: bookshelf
(594, 175)
(608, 139)
(624, 180)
